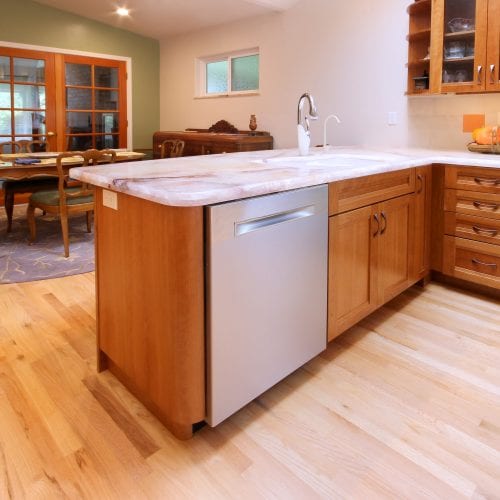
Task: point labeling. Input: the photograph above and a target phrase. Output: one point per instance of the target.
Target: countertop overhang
(205, 180)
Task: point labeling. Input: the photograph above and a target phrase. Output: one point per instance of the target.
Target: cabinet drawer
(484, 180)
(472, 260)
(472, 227)
(363, 191)
(472, 203)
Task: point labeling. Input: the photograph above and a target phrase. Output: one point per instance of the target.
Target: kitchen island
(150, 251)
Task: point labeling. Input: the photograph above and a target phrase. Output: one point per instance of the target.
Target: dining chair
(13, 187)
(171, 148)
(65, 200)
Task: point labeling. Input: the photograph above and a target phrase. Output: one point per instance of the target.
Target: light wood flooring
(406, 405)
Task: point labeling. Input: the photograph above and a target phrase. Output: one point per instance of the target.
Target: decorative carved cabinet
(222, 137)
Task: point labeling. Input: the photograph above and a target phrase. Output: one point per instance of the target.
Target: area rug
(20, 261)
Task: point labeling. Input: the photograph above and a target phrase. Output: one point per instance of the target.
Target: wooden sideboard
(222, 137)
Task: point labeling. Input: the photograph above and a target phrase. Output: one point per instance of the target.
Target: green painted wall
(25, 21)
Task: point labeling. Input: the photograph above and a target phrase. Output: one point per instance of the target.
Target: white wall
(350, 55)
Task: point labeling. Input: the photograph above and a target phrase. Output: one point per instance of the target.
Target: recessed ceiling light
(122, 11)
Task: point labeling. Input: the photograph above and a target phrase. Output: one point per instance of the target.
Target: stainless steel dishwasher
(267, 293)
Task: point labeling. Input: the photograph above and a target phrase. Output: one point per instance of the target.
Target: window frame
(201, 74)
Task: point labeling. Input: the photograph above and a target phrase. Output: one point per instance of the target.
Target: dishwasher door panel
(267, 293)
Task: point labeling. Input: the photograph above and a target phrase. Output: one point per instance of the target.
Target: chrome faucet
(325, 147)
(304, 136)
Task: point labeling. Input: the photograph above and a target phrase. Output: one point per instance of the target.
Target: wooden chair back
(171, 148)
(15, 147)
(90, 157)
(36, 146)
(24, 146)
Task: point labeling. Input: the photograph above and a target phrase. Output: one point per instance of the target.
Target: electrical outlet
(110, 199)
(392, 118)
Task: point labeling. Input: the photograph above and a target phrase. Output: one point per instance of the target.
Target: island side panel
(150, 310)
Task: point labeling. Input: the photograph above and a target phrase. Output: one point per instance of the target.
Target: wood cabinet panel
(150, 288)
(363, 191)
(351, 269)
(395, 247)
(422, 223)
(480, 180)
(472, 203)
(472, 261)
(472, 227)
(371, 259)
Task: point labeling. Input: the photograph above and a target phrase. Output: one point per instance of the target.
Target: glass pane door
(26, 96)
(463, 45)
(95, 104)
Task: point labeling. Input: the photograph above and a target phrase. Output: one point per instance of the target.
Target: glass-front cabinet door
(493, 51)
(461, 37)
(27, 97)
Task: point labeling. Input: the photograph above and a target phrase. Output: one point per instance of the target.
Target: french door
(72, 102)
(27, 96)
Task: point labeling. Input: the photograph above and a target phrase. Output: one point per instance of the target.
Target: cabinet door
(395, 246)
(422, 227)
(458, 52)
(493, 44)
(351, 268)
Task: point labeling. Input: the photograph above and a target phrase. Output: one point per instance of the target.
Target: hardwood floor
(405, 405)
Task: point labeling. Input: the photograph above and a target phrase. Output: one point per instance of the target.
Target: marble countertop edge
(205, 180)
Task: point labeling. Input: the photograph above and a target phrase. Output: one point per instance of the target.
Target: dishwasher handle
(247, 226)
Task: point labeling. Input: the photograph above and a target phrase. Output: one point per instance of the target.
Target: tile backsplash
(438, 121)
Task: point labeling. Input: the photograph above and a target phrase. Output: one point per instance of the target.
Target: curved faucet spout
(313, 111)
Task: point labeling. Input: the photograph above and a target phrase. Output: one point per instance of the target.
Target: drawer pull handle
(487, 264)
(486, 182)
(481, 205)
(378, 225)
(382, 231)
(421, 180)
(489, 232)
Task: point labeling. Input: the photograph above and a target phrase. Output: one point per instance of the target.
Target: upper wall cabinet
(463, 54)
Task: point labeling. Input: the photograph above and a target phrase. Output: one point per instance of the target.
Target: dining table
(45, 164)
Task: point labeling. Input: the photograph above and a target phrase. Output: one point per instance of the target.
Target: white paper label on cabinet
(110, 199)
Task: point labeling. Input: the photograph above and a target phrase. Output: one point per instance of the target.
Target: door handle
(479, 71)
(480, 205)
(486, 182)
(250, 225)
(492, 73)
(482, 230)
(421, 180)
(382, 231)
(375, 217)
(50, 134)
(481, 263)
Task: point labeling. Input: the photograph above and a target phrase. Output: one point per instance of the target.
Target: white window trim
(201, 74)
(128, 65)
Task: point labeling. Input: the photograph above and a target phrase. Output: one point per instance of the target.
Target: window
(228, 74)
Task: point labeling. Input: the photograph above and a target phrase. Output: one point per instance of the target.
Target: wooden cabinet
(422, 225)
(222, 137)
(419, 42)
(371, 248)
(464, 41)
(471, 244)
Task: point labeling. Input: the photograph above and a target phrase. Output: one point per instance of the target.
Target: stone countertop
(204, 180)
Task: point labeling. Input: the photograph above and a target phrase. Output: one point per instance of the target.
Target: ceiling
(163, 18)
